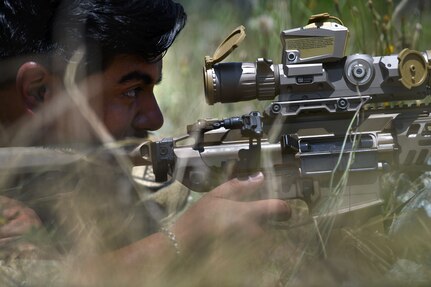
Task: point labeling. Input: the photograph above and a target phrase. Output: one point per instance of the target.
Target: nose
(148, 116)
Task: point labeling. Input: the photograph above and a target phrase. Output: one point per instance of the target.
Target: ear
(32, 82)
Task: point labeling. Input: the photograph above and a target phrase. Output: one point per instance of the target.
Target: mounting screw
(342, 104)
(163, 151)
(276, 108)
(291, 57)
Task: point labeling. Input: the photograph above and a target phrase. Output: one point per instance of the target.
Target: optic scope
(314, 66)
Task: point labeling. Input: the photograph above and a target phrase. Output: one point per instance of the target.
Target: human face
(122, 95)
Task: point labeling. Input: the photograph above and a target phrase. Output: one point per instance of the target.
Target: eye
(132, 93)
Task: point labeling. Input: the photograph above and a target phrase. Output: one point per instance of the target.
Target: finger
(7, 203)
(19, 226)
(10, 207)
(236, 189)
(269, 209)
(20, 220)
(12, 212)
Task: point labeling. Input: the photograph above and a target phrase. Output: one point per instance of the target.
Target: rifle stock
(301, 165)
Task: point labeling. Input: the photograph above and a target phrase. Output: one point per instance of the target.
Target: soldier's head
(79, 62)
(25, 28)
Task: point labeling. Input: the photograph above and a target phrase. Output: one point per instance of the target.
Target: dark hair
(25, 27)
(25, 30)
(30, 29)
(111, 27)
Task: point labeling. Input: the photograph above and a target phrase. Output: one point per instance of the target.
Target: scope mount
(331, 105)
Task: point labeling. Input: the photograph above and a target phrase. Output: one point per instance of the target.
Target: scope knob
(359, 69)
(412, 67)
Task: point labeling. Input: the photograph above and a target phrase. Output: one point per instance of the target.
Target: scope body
(352, 76)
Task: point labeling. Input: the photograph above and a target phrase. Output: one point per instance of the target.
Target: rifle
(333, 128)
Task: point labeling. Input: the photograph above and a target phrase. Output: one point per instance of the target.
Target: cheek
(117, 119)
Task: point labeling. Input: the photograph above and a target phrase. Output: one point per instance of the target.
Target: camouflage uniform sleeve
(30, 272)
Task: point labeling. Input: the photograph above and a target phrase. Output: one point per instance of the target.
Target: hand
(224, 213)
(17, 219)
(221, 233)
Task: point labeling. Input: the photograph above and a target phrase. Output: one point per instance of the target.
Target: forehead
(125, 64)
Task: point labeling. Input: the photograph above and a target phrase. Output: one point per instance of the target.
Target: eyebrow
(136, 75)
